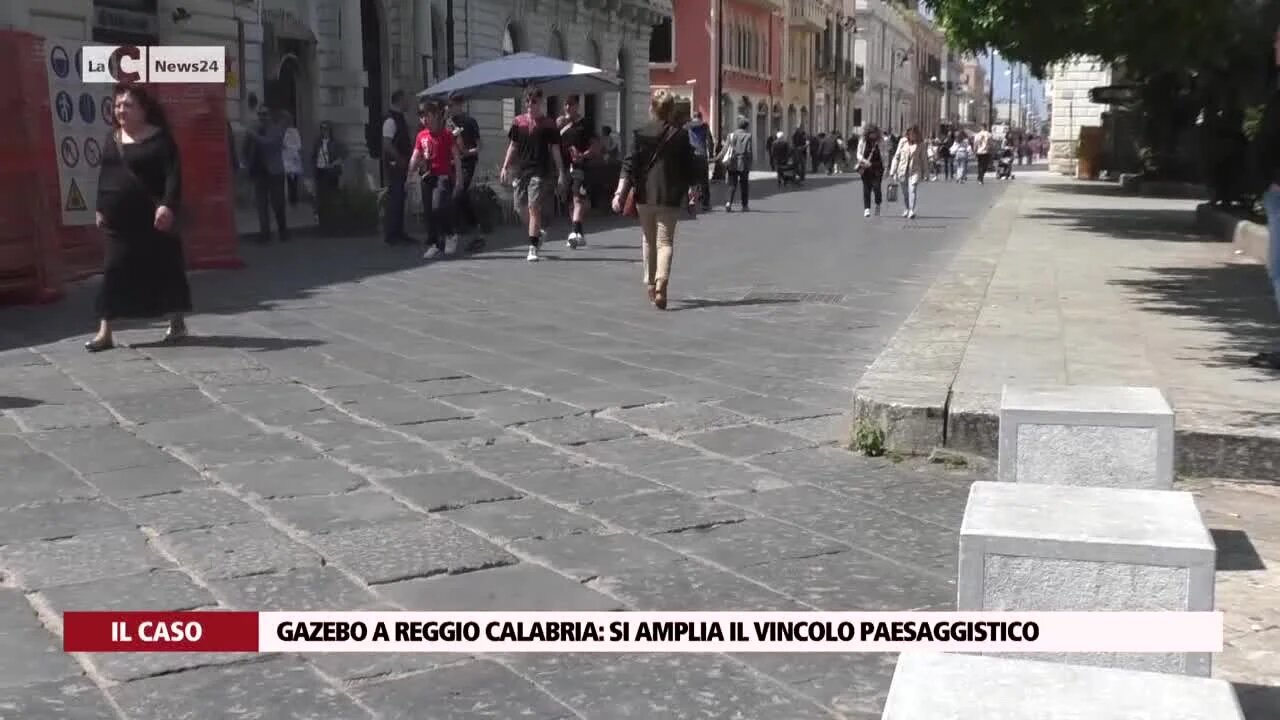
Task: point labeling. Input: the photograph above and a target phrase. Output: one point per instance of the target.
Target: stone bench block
(934, 686)
(1083, 435)
(1045, 548)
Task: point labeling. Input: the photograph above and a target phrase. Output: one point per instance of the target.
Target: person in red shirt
(438, 162)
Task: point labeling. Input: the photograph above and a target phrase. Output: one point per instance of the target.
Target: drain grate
(794, 297)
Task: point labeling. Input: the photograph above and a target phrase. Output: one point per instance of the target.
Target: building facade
(975, 106)
(340, 60)
(806, 20)
(884, 48)
(1067, 87)
(752, 40)
(836, 77)
(929, 55)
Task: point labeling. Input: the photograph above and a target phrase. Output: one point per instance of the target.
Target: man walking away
(466, 133)
(397, 144)
(827, 153)
(534, 149)
(700, 139)
(738, 153)
(982, 149)
(581, 148)
(780, 157)
(800, 152)
(264, 156)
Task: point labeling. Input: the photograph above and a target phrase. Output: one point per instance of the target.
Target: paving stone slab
(335, 430)
(633, 686)
(583, 485)
(216, 451)
(277, 689)
(667, 511)
(237, 551)
(41, 418)
(692, 586)
(390, 552)
(166, 589)
(585, 557)
(290, 478)
(520, 519)
(405, 410)
(35, 477)
(512, 457)
(636, 453)
(448, 432)
(49, 521)
(328, 513)
(713, 477)
(853, 685)
(850, 581)
(145, 481)
(747, 441)
(452, 386)
(529, 412)
(753, 541)
(352, 667)
(71, 699)
(773, 409)
(88, 556)
(162, 406)
(33, 655)
(388, 460)
(967, 687)
(523, 587)
(321, 373)
(609, 396)
(189, 510)
(484, 402)
(308, 589)
(679, 418)
(450, 490)
(470, 691)
(577, 430)
(193, 429)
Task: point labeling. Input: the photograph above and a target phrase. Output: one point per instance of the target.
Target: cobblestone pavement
(353, 430)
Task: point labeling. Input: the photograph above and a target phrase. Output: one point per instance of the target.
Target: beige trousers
(658, 227)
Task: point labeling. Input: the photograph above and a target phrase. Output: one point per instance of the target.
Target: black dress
(145, 273)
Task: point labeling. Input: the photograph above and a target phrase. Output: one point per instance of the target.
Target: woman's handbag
(629, 203)
(892, 193)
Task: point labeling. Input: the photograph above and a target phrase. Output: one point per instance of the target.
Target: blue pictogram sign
(59, 62)
(63, 106)
(88, 108)
(79, 64)
(92, 153)
(108, 110)
(70, 152)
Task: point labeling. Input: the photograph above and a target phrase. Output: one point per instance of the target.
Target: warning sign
(70, 152)
(92, 152)
(75, 199)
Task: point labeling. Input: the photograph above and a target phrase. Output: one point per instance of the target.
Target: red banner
(209, 631)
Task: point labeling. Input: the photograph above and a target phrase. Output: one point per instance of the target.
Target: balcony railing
(808, 15)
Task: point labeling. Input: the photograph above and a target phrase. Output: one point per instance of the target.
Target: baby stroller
(787, 174)
(1004, 166)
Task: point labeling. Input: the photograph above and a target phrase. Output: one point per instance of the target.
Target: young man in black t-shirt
(533, 153)
(580, 148)
(466, 132)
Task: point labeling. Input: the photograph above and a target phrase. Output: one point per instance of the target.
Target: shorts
(578, 183)
(528, 192)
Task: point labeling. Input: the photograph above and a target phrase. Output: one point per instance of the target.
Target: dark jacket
(673, 171)
(1267, 141)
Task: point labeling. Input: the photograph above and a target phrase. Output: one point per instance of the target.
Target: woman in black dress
(139, 191)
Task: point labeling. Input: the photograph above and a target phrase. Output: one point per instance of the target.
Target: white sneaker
(451, 245)
(911, 215)
(533, 254)
(906, 213)
(575, 241)
(866, 213)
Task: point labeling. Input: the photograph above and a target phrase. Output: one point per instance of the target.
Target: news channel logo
(111, 64)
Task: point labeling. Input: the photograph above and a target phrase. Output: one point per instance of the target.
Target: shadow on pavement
(1080, 187)
(1259, 702)
(1236, 552)
(700, 303)
(17, 403)
(236, 342)
(1236, 299)
(1127, 224)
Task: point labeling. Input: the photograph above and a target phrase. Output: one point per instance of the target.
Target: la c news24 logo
(157, 64)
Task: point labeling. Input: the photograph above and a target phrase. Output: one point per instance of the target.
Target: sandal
(660, 296)
(175, 334)
(1266, 360)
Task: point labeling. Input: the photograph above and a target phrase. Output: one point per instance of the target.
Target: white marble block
(1045, 548)
(1082, 435)
(935, 686)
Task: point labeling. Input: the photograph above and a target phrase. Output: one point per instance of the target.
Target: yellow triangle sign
(75, 199)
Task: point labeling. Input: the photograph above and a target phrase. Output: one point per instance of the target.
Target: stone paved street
(353, 430)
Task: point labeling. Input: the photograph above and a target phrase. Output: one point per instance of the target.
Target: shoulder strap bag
(629, 204)
(177, 214)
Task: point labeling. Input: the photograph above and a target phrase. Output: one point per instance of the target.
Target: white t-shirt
(388, 129)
